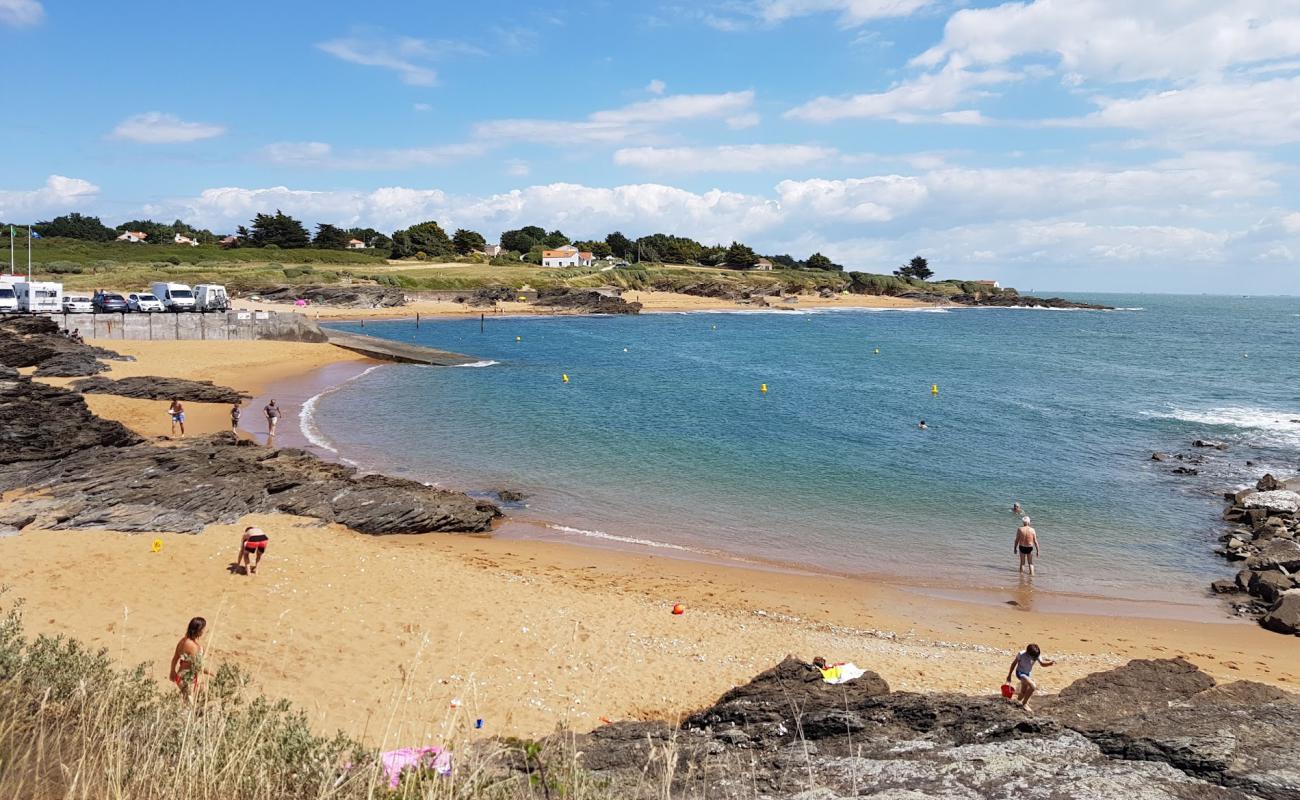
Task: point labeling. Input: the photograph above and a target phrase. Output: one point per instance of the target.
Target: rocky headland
(1264, 540)
(1153, 729)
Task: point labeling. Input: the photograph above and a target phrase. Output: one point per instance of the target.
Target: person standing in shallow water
(1026, 545)
(187, 660)
(272, 417)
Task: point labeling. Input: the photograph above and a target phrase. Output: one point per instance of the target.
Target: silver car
(77, 304)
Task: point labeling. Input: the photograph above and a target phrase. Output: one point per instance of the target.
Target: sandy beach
(393, 638)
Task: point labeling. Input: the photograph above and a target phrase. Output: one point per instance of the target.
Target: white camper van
(8, 297)
(39, 297)
(174, 296)
(211, 297)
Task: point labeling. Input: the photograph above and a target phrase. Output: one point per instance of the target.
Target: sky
(1049, 144)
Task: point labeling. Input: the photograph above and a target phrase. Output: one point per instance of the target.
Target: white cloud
(726, 158)
(421, 107)
(909, 100)
(639, 121)
(656, 86)
(21, 13)
(57, 196)
(1123, 40)
(409, 57)
(518, 168)
(155, 127)
(320, 154)
(852, 12)
(742, 121)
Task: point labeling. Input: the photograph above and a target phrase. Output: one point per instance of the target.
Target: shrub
(175, 261)
(64, 268)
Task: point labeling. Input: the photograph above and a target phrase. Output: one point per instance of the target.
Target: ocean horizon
(662, 438)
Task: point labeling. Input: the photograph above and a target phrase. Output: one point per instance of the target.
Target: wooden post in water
(480, 321)
(417, 320)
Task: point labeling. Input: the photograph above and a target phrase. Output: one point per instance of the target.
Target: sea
(791, 439)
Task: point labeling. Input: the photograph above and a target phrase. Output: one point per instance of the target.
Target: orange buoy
(679, 609)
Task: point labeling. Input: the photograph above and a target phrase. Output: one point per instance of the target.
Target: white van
(174, 296)
(8, 298)
(211, 297)
(39, 297)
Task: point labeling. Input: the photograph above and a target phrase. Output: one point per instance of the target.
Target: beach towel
(398, 761)
(842, 673)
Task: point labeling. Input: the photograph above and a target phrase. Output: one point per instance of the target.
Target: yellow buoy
(157, 545)
(565, 378)
(934, 388)
(762, 387)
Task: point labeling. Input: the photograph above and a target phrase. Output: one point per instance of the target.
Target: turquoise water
(662, 435)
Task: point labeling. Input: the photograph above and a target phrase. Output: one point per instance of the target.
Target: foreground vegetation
(72, 725)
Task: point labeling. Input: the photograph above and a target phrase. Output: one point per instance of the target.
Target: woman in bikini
(187, 661)
(253, 544)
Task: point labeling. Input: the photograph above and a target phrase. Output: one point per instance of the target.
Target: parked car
(110, 303)
(143, 302)
(77, 304)
(8, 298)
(39, 297)
(211, 297)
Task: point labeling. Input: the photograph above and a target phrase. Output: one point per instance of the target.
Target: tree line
(428, 240)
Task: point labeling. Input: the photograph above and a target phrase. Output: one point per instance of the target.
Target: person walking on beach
(1027, 545)
(254, 542)
(272, 417)
(177, 412)
(235, 413)
(187, 660)
(1022, 667)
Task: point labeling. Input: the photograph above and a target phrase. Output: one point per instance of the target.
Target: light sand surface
(651, 301)
(248, 366)
(379, 635)
(359, 630)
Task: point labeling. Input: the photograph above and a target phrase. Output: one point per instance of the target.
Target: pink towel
(398, 761)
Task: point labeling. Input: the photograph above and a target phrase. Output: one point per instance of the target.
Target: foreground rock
(36, 342)
(85, 472)
(585, 301)
(156, 388)
(1156, 730)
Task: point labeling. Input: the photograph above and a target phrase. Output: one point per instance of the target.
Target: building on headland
(990, 284)
(179, 239)
(356, 244)
(492, 250)
(135, 237)
(567, 256)
(229, 241)
(763, 264)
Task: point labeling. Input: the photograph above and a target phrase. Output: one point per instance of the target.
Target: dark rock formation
(36, 342)
(1157, 730)
(584, 301)
(350, 296)
(92, 473)
(156, 388)
(1284, 617)
(488, 296)
(1006, 300)
(1266, 536)
(510, 495)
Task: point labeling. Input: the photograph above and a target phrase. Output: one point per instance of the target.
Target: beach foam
(307, 415)
(1277, 425)
(479, 364)
(613, 538)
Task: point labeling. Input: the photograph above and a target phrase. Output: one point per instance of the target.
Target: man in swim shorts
(272, 412)
(177, 412)
(252, 545)
(1026, 545)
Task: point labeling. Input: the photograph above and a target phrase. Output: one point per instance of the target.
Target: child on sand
(187, 660)
(1022, 666)
(177, 412)
(235, 412)
(255, 541)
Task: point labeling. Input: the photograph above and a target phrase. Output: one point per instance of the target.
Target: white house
(356, 244)
(763, 265)
(178, 239)
(990, 284)
(567, 256)
(135, 237)
(492, 250)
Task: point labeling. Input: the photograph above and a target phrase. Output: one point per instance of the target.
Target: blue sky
(1064, 144)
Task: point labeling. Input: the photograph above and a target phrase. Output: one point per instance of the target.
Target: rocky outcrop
(584, 301)
(1008, 300)
(86, 472)
(349, 296)
(1158, 730)
(1265, 534)
(155, 388)
(28, 341)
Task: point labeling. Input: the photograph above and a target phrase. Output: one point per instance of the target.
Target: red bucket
(1007, 691)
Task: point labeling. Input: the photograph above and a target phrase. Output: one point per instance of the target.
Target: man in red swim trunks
(253, 544)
